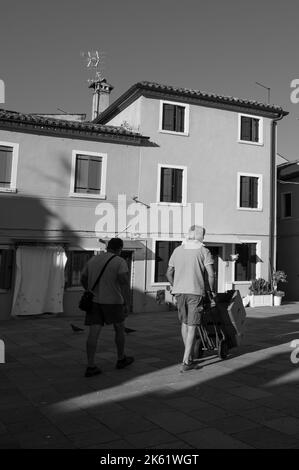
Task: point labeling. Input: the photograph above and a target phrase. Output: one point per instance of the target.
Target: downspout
(273, 198)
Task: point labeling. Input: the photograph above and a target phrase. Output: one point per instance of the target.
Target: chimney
(100, 97)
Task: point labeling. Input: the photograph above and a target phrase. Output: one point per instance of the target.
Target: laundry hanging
(39, 285)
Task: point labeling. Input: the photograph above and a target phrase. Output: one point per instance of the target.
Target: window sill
(88, 196)
(184, 134)
(250, 209)
(171, 204)
(260, 144)
(8, 190)
(4, 291)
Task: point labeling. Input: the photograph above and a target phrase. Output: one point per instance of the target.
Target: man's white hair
(196, 232)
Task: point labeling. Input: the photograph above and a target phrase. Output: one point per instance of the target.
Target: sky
(215, 46)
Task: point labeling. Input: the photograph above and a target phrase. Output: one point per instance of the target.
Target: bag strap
(101, 273)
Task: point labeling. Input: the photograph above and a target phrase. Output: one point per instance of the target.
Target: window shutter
(244, 192)
(164, 250)
(254, 192)
(166, 185)
(177, 186)
(168, 117)
(180, 119)
(6, 267)
(245, 128)
(94, 175)
(5, 166)
(81, 174)
(255, 130)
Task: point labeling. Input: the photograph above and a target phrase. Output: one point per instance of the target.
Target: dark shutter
(249, 192)
(88, 174)
(180, 119)
(5, 166)
(168, 117)
(163, 252)
(6, 267)
(94, 175)
(81, 174)
(171, 185)
(249, 129)
(173, 118)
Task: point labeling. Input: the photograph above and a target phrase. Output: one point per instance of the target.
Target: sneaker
(126, 361)
(186, 366)
(91, 371)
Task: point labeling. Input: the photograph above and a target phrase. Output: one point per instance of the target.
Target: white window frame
(184, 185)
(186, 118)
(103, 156)
(261, 130)
(14, 167)
(258, 264)
(259, 207)
(153, 262)
(282, 205)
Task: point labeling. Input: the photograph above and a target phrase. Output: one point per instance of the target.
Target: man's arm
(124, 282)
(170, 275)
(211, 277)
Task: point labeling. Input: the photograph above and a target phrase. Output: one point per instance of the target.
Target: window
(76, 260)
(286, 209)
(172, 184)
(250, 191)
(245, 266)
(174, 117)
(8, 166)
(250, 129)
(163, 252)
(88, 174)
(6, 268)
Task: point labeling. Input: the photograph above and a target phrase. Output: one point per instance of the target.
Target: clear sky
(215, 46)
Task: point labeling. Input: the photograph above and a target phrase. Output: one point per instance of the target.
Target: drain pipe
(273, 198)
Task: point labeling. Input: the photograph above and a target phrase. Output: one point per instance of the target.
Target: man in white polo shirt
(186, 269)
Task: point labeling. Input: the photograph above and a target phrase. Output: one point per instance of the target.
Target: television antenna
(266, 88)
(94, 60)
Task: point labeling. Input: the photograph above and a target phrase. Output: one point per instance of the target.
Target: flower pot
(277, 300)
(265, 300)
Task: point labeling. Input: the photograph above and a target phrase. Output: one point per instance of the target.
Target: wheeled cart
(222, 325)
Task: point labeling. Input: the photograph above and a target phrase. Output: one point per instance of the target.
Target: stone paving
(248, 401)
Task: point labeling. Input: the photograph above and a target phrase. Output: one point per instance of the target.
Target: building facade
(288, 227)
(154, 162)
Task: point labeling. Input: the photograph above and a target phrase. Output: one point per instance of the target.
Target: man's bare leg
(91, 343)
(189, 343)
(119, 329)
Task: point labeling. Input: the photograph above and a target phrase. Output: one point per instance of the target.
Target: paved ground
(249, 400)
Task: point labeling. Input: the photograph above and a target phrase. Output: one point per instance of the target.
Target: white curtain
(39, 282)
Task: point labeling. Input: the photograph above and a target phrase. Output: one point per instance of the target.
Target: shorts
(190, 308)
(105, 314)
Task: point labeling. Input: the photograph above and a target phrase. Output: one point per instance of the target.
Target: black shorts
(105, 314)
(190, 308)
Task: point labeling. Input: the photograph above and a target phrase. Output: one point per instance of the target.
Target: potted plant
(278, 276)
(261, 293)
